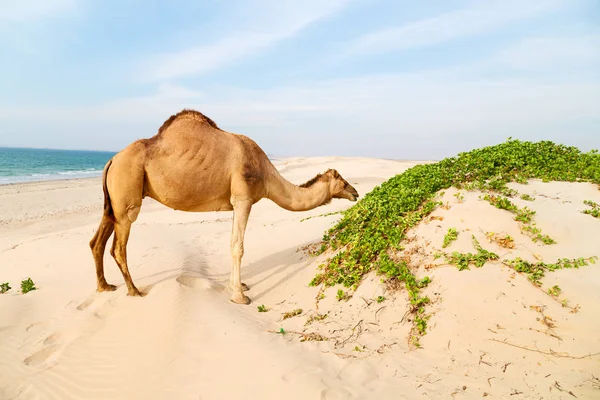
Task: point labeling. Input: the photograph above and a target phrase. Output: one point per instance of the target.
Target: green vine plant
(371, 232)
(459, 197)
(450, 237)
(463, 260)
(594, 209)
(535, 271)
(321, 215)
(527, 197)
(523, 215)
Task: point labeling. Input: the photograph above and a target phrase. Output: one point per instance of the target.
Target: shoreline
(58, 176)
(50, 181)
(53, 178)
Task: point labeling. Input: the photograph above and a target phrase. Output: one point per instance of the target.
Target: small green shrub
(292, 313)
(527, 197)
(262, 308)
(342, 295)
(450, 237)
(594, 209)
(459, 197)
(315, 318)
(27, 286)
(5, 287)
(554, 290)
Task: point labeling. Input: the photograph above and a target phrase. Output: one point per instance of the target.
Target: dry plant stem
(549, 353)
(341, 355)
(481, 360)
(557, 385)
(318, 297)
(573, 309)
(377, 320)
(359, 326)
(306, 336)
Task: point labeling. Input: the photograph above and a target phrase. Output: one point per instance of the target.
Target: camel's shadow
(194, 269)
(290, 260)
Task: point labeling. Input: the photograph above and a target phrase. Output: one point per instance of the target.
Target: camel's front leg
(241, 212)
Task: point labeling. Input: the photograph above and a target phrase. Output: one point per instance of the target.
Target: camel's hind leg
(119, 252)
(123, 190)
(98, 245)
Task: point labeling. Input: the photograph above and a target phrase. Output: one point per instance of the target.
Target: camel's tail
(108, 210)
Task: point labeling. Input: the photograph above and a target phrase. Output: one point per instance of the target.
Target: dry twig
(549, 353)
(557, 385)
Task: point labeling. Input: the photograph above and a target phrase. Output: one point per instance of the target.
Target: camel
(193, 165)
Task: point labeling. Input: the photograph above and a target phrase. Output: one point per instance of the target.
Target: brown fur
(311, 182)
(332, 172)
(193, 165)
(187, 113)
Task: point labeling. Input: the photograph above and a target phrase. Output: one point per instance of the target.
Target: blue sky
(377, 78)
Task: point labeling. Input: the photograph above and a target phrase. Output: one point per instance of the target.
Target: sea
(34, 165)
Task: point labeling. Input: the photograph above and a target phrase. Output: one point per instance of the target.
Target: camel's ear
(333, 173)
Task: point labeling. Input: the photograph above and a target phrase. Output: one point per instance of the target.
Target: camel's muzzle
(352, 192)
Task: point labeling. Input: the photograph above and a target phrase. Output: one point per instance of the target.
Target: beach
(491, 334)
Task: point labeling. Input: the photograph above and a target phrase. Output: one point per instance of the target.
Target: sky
(393, 79)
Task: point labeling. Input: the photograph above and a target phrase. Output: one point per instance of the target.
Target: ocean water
(31, 165)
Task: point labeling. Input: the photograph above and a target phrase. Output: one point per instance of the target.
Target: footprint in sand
(42, 355)
(52, 339)
(39, 324)
(192, 282)
(85, 304)
(334, 394)
(199, 283)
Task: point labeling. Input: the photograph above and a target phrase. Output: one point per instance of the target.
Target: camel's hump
(188, 114)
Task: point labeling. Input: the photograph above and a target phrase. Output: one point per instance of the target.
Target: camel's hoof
(244, 287)
(106, 288)
(240, 298)
(134, 292)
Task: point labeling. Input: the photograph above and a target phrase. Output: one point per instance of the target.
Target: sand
(489, 334)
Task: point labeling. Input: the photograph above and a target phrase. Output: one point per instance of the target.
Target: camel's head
(340, 188)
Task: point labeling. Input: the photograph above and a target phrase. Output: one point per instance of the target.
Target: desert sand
(491, 334)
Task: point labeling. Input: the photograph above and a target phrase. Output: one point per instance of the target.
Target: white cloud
(415, 115)
(36, 27)
(485, 16)
(552, 53)
(269, 22)
(23, 11)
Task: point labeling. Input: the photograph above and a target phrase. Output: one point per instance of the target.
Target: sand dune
(186, 340)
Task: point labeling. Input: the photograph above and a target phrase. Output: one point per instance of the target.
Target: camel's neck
(295, 198)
